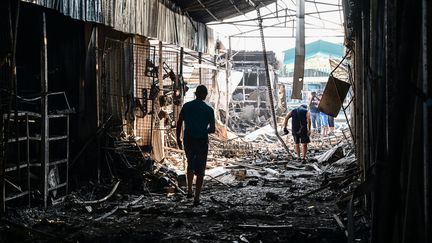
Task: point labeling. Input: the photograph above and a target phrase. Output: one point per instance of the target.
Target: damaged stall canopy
(333, 96)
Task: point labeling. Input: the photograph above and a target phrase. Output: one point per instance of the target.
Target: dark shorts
(196, 153)
(301, 138)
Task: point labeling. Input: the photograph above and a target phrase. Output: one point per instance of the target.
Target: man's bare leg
(190, 176)
(304, 145)
(297, 148)
(198, 187)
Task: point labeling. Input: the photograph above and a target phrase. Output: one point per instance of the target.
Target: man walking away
(315, 115)
(199, 122)
(301, 129)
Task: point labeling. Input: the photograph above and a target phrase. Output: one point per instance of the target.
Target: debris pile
(248, 119)
(253, 192)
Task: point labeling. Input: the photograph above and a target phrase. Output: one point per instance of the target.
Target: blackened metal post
(269, 88)
(67, 153)
(228, 74)
(427, 111)
(28, 156)
(299, 57)
(44, 110)
(200, 69)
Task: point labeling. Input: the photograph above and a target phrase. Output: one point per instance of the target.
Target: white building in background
(317, 68)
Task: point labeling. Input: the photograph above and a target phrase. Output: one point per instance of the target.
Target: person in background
(324, 123)
(314, 113)
(324, 120)
(301, 129)
(331, 125)
(199, 122)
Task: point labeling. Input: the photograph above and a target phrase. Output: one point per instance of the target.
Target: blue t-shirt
(314, 104)
(197, 116)
(299, 122)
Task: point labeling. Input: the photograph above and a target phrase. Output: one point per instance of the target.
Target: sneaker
(196, 203)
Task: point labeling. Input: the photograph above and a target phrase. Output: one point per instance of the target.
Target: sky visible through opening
(323, 20)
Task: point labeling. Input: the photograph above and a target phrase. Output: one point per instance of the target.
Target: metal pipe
(426, 35)
(269, 88)
(94, 39)
(28, 156)
(67, 153)
(15, 88)
(208, 11)
(12, 96)
(228, 74)
(287, 36)
(281, 16)
(44, 109)
(200, 69)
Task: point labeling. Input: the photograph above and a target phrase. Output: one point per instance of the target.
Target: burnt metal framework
(26, 144)
(129, 88)
(138, 17)
(216, 10)
(252, 90)
(171, 94)
(391, 44)
(269, 88)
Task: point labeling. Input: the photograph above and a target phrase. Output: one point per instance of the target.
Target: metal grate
(145, 72)
(171, 98)
(128, 73)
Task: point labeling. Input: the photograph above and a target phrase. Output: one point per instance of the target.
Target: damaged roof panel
(148, 18)
(215, 10)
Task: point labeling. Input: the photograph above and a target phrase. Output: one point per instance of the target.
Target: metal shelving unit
(27, 140)
(12, 186)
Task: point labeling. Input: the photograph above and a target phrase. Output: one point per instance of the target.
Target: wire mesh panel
(145, 71)
(129, 75)
(115, 82)
(171, 97)
(5, 99)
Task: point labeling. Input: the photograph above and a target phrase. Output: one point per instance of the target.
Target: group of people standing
(321, 122)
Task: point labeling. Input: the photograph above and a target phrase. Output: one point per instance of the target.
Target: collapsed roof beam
(282, 16)
(250, 3)
(208, 11)
(325, 20)
(236, 8)
(285, 36)
(249, 31)
(319, 15)
(322, 3)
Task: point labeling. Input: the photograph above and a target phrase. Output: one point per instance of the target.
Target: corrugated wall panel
(144, 17)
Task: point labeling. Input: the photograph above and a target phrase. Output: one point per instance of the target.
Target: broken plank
(108, 214)
(245, 165)
(126, 205)
(324, 187)
(265, 226)
(215, 179)
(339, 222)
(292, 167)
(102, 199)
(174, 150)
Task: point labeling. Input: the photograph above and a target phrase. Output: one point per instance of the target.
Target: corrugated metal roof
(215, 10)
(148, 18)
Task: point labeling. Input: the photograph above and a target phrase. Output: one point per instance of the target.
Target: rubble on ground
(253, 192)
